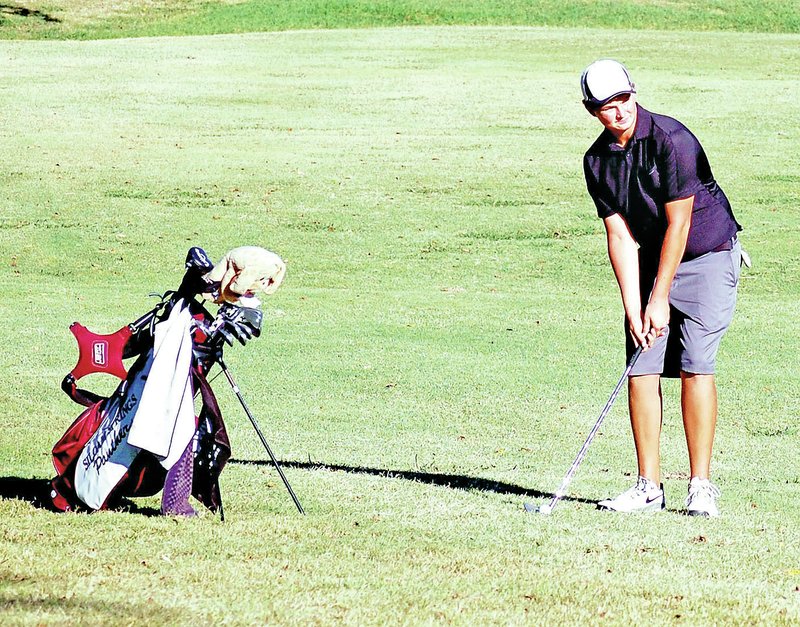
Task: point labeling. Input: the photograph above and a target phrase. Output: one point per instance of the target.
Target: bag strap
(96, 354)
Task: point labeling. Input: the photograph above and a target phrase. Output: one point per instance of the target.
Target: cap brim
(599, 103)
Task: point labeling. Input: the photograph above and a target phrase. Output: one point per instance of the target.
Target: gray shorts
(702, 299)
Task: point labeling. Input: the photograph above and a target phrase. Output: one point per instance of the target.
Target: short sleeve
(604, 209)
(681, 154)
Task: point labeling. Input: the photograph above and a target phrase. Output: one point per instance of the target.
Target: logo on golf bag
(100, 353)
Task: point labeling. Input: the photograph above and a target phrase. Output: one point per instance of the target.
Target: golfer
(672, 242)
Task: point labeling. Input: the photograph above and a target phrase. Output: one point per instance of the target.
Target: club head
(544, 508)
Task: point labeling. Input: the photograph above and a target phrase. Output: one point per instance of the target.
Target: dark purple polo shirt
(662, 162)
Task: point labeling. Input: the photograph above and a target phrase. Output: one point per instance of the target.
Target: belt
(726, 245)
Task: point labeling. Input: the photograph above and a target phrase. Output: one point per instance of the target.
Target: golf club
(259, 433)
(547, 508)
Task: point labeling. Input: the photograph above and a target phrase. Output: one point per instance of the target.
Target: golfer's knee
(697, 379)
(644, 382)
(698, 365)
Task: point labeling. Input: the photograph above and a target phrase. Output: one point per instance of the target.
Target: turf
(99, 19)
(447, 333)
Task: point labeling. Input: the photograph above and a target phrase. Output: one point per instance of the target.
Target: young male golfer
(672, 242)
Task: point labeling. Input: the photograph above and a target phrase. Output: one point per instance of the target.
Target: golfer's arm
(679, 218)
(623, 251)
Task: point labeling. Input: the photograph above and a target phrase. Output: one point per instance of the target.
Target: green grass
(79, 19)
(447, 333)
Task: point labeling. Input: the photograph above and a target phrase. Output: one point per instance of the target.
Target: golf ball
(545, 509)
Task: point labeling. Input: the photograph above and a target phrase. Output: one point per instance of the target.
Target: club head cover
(244, 271)
(198, 260)
(198, 265)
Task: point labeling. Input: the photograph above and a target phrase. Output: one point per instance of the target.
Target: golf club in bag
(547, 508)
(145, 437)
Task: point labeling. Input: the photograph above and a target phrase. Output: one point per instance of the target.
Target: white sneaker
(702, 499)
(645, 496)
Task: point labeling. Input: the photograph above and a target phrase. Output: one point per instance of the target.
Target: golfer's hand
(636, 327)
(655, 321)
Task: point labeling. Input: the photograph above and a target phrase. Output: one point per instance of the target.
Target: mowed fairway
(447, 334)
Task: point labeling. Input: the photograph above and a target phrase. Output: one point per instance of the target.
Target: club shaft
(582, 453)
(260, 434)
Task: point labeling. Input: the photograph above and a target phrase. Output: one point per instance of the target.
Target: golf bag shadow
(146, 436)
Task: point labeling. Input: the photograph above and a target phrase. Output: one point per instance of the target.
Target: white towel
(164, 423)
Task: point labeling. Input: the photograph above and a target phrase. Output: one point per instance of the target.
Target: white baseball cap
(603, 80)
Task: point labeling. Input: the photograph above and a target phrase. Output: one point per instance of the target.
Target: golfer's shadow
(459, 482)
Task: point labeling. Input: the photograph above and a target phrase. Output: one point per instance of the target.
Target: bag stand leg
(260, 434)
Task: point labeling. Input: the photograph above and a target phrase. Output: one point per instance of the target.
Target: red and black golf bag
(147, 437)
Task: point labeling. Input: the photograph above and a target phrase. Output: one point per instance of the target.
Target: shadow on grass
(59, 609)
(37, 493)
(460, 482)
(12, 9)
(34, 491)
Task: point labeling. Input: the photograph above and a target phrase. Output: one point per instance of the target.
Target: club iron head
(544, 508)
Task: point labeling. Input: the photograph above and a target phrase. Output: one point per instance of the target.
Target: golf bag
(146, 436)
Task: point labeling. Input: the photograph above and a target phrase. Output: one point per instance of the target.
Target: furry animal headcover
(246, 270)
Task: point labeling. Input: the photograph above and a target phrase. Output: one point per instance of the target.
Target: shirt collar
(644, 123)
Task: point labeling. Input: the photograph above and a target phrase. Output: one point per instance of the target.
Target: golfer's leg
(644, 400)
(699, 405)
(704, 290)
